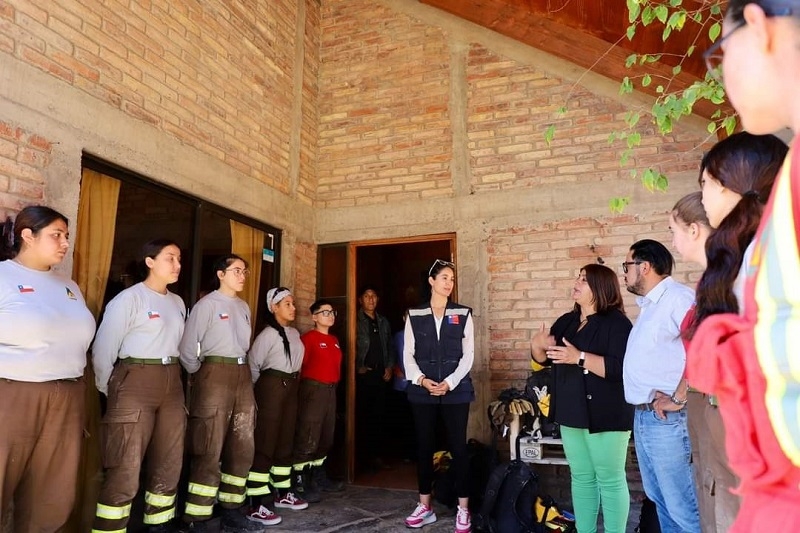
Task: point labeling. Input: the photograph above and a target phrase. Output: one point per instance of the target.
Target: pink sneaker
(263, 515)
(422, 516)
(290, 501)
(463, 521)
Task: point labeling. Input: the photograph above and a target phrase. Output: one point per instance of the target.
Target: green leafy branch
(670, 105)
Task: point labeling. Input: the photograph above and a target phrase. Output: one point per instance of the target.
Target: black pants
(371, 399)
(455, 417)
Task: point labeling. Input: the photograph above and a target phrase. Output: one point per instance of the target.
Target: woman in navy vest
(438, 354)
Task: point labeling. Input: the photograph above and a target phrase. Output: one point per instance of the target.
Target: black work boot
(302, 485)
(322, 482)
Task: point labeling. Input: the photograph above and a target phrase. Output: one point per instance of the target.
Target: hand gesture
(541, 340)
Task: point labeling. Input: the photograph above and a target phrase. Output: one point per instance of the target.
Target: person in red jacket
(316, 417)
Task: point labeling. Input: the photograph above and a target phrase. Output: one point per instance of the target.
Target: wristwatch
(582, 359)
(676, 401)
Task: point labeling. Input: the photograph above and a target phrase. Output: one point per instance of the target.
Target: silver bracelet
(676, 401)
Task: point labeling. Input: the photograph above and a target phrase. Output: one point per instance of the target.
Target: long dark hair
(273, 323)
(221, 265)
(34, 218)
(604, 284)
(746, 164)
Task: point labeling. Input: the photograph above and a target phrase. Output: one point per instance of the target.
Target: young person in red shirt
(316, 416)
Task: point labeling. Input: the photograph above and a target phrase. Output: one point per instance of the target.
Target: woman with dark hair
(223, 409)
(45, 330)
(135, 358)
(275, 359)
(438, 352)
(587, 348)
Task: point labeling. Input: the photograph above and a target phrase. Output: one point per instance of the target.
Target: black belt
(150, 361)
(279, 374)
(644, 407)
(225, 360)
(319, 383)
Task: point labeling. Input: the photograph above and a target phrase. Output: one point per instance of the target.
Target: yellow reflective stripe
(111, 512)
(202, 490)
(283, 484)
(318, 462)
(159, 518)
(236, 481)
(199, 510)
(123, 530)
(301, 466)
(281, 471)
(258, 491)
(258, 476)
(229, 497)
(159, 500)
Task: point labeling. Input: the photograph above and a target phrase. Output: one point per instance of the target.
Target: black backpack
(538, 380)
(509, 500)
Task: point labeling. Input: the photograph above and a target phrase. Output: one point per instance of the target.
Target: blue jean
(665, 461)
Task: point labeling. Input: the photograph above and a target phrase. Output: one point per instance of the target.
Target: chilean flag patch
(153, 315)
(452, 319)
(224, 316)
(25, 288)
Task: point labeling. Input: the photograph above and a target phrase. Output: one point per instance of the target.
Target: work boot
(302, 485)
(322, 482)
(233, 521)
(166, 527)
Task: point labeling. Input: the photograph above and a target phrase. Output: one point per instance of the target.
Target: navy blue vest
(437, 358)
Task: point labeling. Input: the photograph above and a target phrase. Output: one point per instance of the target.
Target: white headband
(275, 295)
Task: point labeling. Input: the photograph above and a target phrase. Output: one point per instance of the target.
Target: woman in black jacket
(586, 347)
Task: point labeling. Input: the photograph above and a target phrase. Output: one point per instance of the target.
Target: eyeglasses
(239, 271)
(440, 262)
(326, 313)
(713, 56)
(626, 264)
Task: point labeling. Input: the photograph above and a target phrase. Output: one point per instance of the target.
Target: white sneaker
(422, 516)
(463, 521)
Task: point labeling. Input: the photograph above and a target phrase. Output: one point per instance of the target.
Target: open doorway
(397, 270)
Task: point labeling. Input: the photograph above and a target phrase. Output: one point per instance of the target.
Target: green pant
(597, 467)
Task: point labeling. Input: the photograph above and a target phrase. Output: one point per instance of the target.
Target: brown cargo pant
(276, 398)
(316, 422)
(221, 423)
(146, 415)
(41, 430)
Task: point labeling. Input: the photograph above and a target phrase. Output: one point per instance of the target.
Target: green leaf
(549, 134)
(716, 114)
(665, 34)
(729, 123)
(625, 156)
(630, 60)
(632, 119)
(634, 139)
(626, 86)
(649, 179)
(677, 20)
(661, 13)
(676, 70)
(633, 10)
(612, 137)
(646, 80)
(648, 15)
(661, 183)
(675, 3)
(630, 32)
(714, 31)
(712, 127)
(660, 89)
(690, 51)
(716, 9)
(617, 205)
(562, 110)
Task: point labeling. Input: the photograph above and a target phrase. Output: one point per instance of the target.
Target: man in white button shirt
(654, 363)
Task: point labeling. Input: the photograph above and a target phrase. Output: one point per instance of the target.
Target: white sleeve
(409, 363)
(467, 355)
(257, 355)
(117, 320)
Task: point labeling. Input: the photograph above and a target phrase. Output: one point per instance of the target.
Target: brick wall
(216, 75)
(385, 133)
(24, 156)
(304, 285)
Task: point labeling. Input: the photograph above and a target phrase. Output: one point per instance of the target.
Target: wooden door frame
(352, 309)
